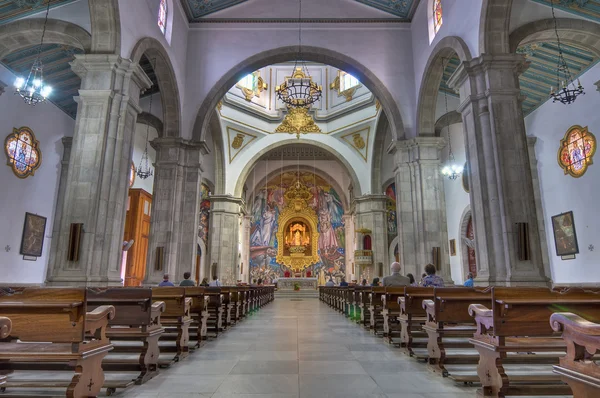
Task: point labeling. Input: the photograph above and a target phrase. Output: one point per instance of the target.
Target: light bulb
(446, 170)
(37, 83)
(19, 81)
(46, 91)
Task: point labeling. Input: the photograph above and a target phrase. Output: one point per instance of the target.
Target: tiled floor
(293, 349)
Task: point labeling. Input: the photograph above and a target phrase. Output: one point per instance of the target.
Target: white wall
(456, 199)
(560, 192)
(139, 145)
(35, 194)
(77, 12)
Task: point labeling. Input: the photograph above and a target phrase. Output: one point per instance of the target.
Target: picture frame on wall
(565, 235)
(32, 241)
(453, 247)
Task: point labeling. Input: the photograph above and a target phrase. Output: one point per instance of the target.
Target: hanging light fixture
(33, 90)
(144, 170)
(298, 90)
(566, 90)
(451, 170)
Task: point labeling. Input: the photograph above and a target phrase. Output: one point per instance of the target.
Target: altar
(288, 283)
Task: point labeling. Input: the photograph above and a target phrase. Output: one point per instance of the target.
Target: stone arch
(306, 168)
(378, 151)
(26, 32)
(452, 117)
(493, 26)
(395, 242)
(167, 82)
(464, 253)
(106, 26)
(310, 53)
(432, 76)
(577, 32)
(218, 153)
(239, 186)
(152, 121)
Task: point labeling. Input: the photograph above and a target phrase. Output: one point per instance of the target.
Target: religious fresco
(392, 223)
(267, 205)
(204, 214)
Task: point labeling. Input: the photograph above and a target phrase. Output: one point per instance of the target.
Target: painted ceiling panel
(200, 8)
(535, 82)
(57, 72)
(585, 8)
(11, 10)
(400, 8)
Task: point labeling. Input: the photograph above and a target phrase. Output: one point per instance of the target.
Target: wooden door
(137, 227)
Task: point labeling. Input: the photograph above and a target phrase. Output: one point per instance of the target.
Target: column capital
(419, 149)
(369, 203)
(95, 65)
(227, 204)
(179, 151)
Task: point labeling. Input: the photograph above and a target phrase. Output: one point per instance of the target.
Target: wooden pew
(236, 303)
(349, 302)
(52, 326)
(215, 310)
(448, 318)
(226, 293)
(364, 302)
(375, 310)
(358, 290)
(577, 368)
(136, 318)
(412, 318)
(5, 328)
(198, 313)
(518, 322)
(390, 312)
(176, 316)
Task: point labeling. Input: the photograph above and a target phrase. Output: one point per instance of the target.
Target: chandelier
(33, 90)
(298, 90)
(566, 91)
(144, 170)
(451, 170)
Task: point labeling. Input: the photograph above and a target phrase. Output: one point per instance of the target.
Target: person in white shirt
(215, 282)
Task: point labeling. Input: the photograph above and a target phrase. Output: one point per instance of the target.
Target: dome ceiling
(403, 10)
(11, 10)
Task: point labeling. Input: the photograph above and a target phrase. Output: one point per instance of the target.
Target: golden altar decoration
(297, 235)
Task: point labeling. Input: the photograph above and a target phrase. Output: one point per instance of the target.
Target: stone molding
(598, 85)
(2, 87)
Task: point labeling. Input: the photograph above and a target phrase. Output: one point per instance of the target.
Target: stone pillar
(245, 272)
(500, 180)
(223, 235)
(421, 203)
(370, 213)
(349, 246)
(175, 207)
(97, 179)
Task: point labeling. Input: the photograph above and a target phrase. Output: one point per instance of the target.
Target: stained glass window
(348, 81)
(437, 15)
(576, 151)
(162, 16)
(22, 151)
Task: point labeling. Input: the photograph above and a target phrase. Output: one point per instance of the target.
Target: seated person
(186, 280)
(395, 279)
(330, 282)
(375, 282)
(469, 281)
(343, 282)
(432, 280)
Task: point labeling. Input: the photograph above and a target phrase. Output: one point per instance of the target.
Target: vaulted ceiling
(584, 8)
(197, 9)
(535, 82)
(11, 10)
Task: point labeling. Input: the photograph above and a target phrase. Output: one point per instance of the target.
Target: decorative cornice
(304, 20)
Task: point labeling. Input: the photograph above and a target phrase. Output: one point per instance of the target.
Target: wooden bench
(215, 310)
(176, 317)
(51, 326)
(5, 328)
(236, 303)
(412, 318)
(349, 302)
(577, 368)
(517, 322)
(198, 313)
(447, 317)
(375, 310)
(137, 319)
(363, 303)
(390, 312)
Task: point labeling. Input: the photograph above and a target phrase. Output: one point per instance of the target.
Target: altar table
(288, 283)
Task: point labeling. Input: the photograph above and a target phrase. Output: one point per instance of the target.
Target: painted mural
(392, 223)
(204, 214)
(269, 201)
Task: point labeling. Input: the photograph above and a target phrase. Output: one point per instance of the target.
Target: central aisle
(298, 349)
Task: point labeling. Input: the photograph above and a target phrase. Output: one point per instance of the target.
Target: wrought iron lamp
(566, 91)
(144, 170)
(33, 90)
(452, 170)
(299, 91)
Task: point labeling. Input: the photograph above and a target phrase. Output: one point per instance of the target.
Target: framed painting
(32, 241)
(565, 237)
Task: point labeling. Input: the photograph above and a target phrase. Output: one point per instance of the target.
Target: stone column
(500, 179)
(349, 246)
(422, 224)
(223, 235)
(97, 180)
(370, 213)
(246, 225)
(175, 207)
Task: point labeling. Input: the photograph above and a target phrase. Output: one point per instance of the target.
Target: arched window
(23, 152)
(162, 16)
(437, 15)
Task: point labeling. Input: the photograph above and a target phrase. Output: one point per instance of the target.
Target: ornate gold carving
(237, 141)
(358, 141)
(297, 210)
(259, 86)
(377, 105)
(298, 121)
(219, 106)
